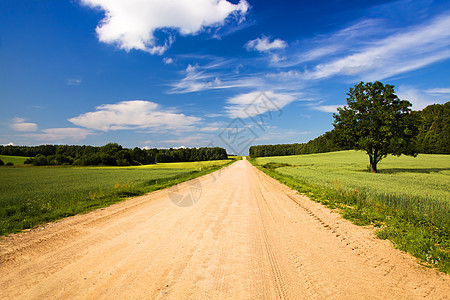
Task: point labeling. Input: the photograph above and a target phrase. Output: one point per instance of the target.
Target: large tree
(376, 121)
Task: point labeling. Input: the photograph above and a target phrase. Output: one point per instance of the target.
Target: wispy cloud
(398, 53)
(168, 60)
(19, 124)
(263, 44)
(439, 91)
(73, 81)
(421, 99)
(132, 24)
(256, 103)
(135, 114)
(67, 135)
(326, 108)
(201, 79)
(336, 44)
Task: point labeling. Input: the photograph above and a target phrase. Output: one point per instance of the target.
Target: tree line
(434, 129)
(111, 154)
(324, 143)
(433, 137)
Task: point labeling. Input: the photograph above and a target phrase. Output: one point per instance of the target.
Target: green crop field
(409, 199)
(16, 160)
(33, 195)
(421, 183)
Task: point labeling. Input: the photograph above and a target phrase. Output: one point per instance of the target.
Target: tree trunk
(373, 163)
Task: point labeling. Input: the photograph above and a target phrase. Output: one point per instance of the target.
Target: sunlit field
(420, 183)
(16, 160)
(32, 195)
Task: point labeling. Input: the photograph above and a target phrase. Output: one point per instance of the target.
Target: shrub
(40, 160)
(28, 161)
(9, 164)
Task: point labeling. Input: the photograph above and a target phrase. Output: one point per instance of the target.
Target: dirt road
(247, 237)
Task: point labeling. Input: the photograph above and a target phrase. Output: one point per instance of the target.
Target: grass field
(16, 160)
(409, 199)
(33, 195)
(421, 183)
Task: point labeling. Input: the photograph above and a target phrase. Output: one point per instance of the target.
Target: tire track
(276, 271)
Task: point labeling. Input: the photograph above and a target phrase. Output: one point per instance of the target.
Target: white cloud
(263, 44)
(419, 99)
(132, 24)
(135, 114)
(439, 91)
(9, 144)
(257, 103)
(327, 108)
(73, 81)
(396, 54)
(20, 125)
(214, 115)
(191, 69)
(209, 129)
(276, 58)
(67, 135)
(168, 60)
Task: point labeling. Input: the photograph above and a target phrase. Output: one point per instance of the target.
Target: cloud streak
(256, 103)
(68, 135)
(421, 99)
(200, 79)
(398, 53)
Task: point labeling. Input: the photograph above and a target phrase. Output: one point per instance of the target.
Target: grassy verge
(30, 196)
(409, 224)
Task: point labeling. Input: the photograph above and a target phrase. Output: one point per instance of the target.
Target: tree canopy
(434, 129)
(376, 121)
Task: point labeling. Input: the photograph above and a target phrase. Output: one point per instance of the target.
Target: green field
(33, 195)
(421, 183)
(16, 160)
(409, 199)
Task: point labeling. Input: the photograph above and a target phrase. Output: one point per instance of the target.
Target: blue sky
(160, 73)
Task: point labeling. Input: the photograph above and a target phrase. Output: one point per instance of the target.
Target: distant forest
(111, 154)
(433, 123)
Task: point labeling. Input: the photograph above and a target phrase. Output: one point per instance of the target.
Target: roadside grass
(408, 200)
(30, 196)
(16, 160)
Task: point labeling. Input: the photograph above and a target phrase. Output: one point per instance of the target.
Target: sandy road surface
(248, 237)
